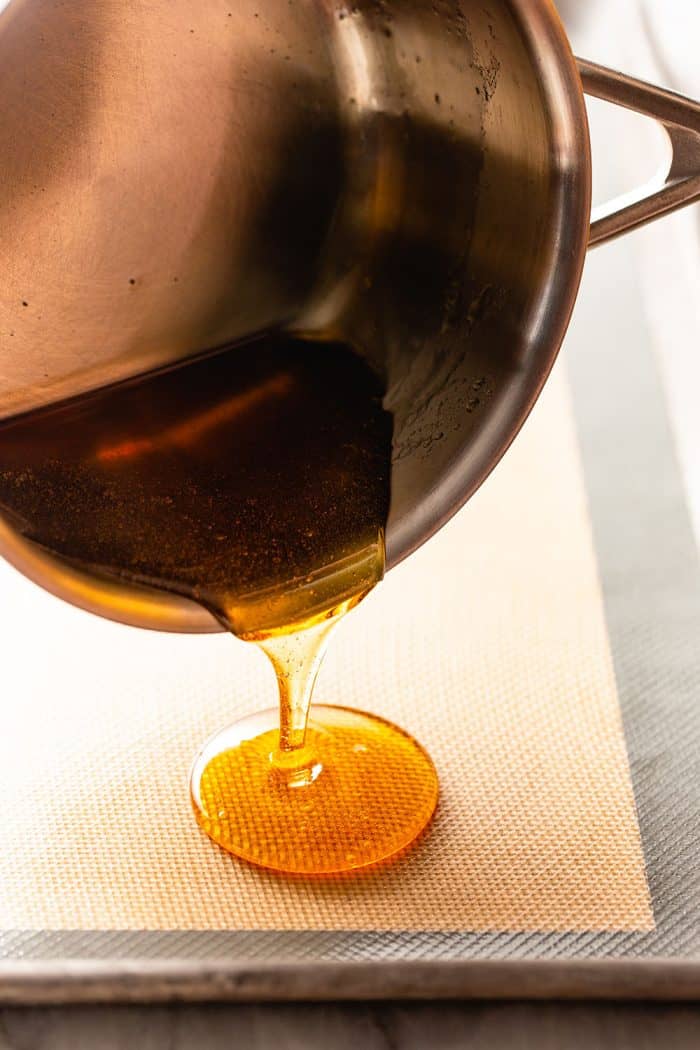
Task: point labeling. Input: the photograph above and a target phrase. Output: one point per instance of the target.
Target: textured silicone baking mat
(640, 614)
(489, 644)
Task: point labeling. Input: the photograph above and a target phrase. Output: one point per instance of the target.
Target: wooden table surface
(445, 1026)
(661, 39)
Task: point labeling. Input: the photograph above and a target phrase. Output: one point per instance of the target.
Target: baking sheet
(647, 562)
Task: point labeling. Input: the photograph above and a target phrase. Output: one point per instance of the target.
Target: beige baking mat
(489, 644)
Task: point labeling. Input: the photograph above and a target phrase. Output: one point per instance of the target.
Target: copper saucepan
(414, 178)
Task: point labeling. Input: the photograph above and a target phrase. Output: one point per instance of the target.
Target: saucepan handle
(678, 183)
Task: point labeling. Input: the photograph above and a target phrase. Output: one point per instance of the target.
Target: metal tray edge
(88, 981)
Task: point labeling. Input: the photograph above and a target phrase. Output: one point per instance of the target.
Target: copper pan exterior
(413, 178)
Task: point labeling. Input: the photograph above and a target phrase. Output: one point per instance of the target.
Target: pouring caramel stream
(255, 482)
